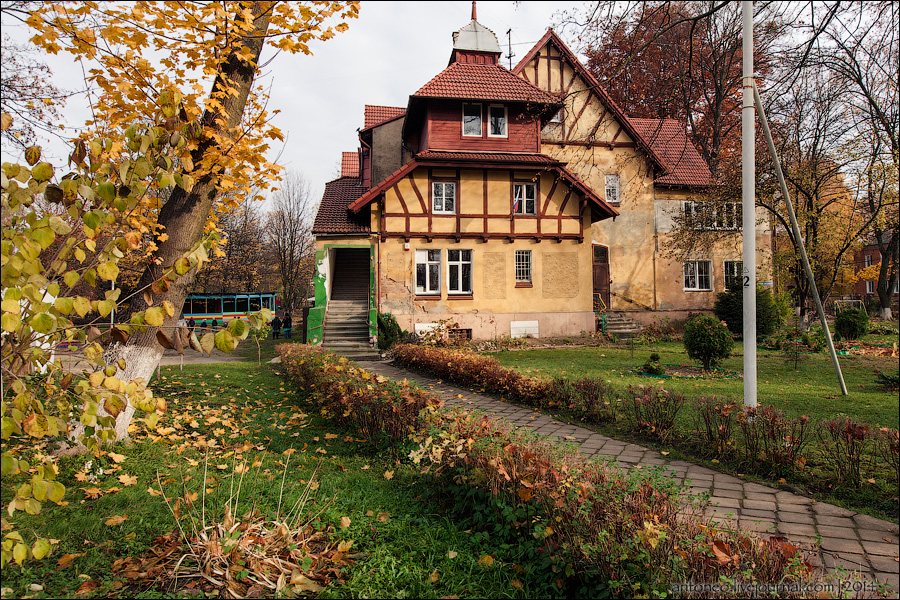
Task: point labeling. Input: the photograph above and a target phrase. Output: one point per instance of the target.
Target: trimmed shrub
(729, 308)
(653, 366)
(389, 332)
(851, 323)
(708, 340)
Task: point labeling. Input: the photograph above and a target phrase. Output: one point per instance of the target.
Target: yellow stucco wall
(594, 144)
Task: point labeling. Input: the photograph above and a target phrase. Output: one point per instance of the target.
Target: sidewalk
(848, 540)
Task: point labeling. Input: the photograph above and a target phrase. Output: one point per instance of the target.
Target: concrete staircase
(347, 329)
(622, 326)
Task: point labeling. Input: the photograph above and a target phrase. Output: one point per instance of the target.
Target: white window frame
(464, 288)
(612, 188)
(520, 193)
(524, 266)
(867, 259)
(694, 284)
(480, 119)
(870, 286)
(505, 121)
(443, 197)
(426, 257)
(738, 271)
(703, 215)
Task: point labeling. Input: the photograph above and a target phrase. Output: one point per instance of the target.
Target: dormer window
(471, 119)
(497, 121)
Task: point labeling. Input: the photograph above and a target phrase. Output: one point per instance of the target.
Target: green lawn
(408, 545)
(811, 389)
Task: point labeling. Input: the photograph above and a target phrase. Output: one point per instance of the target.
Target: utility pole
(509, 47)
(748, 189)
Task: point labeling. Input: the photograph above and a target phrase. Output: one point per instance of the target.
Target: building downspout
(655, 248)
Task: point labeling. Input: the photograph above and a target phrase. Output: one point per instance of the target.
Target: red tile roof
(482, 82)
(376, 115)
(516, 158)
(333, 216)
(668, 138)
(349, 164)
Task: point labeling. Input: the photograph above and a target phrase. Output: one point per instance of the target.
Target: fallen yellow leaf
(116, 520)
(345, 522)
(117, 457)
(127, 480)
(388, 474)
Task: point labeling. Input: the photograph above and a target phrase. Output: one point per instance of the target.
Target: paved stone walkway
(848, 540)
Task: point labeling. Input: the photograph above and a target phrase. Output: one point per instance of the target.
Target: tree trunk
(887, 274)
(184, 215)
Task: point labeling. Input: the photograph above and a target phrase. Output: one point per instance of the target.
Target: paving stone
(725, 502)
(763, 497)
(757, 525)
(873, 523)
(758, 514)
(881, 548)
(757, 488)
(876, 535)
(733, 494)
(892, 580)
(821, 508)
(885, 564)
(842, 544)
(797, 529)
(850, 562)
(835, 521)
(789, 498)
(727, 485)
(836, 532)
(792, 517)
(802, 509)
(766, 505)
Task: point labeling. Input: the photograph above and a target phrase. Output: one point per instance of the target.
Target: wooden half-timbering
(485, 206)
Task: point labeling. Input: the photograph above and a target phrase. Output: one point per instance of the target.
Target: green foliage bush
(652, 410)
(389, 331)
(653, 366)
(729, 308)
(851, 323)
(708, 340)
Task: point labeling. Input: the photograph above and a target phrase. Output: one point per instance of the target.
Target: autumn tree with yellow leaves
(207, 54)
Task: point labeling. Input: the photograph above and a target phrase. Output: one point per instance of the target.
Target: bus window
(228, 305)
(242, 305)
(254, 304)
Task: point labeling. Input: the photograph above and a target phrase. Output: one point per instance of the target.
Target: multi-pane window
(428, 271)
(459, 271)
(523, 266)
(497, 121)
(472, 119)
(733, 273)
(443, 197)
(525, 199)
(870, 286)
(698, 275)
(612, 188)
(710, 215)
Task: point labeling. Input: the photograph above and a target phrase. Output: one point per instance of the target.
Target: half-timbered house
(509, 202)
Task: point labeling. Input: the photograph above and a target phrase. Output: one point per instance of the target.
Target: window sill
(524, 284)
(427, 297)
(692, 290)
(460, 297)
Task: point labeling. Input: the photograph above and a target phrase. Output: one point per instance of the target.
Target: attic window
(497, 121)
(471, 119)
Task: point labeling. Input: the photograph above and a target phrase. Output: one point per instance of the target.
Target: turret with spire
(475, 43)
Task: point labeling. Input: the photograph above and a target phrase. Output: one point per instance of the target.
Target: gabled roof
(482, 82)
(669, 138)
(377, 115)
(490, 157)
(349, 164)
(333, 216)
(594, 85)
(501, 160)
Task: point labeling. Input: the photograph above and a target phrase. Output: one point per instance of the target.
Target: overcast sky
(388, 53)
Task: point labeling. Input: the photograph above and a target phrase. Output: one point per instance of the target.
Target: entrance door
(351, 274)
(601, 276)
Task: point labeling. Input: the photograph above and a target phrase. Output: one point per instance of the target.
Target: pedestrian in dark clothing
(287, 326)
(276, 328)
(215, 324)
(202, 326)
(191, 324)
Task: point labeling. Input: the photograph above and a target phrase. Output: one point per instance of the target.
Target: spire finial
(474, 16)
